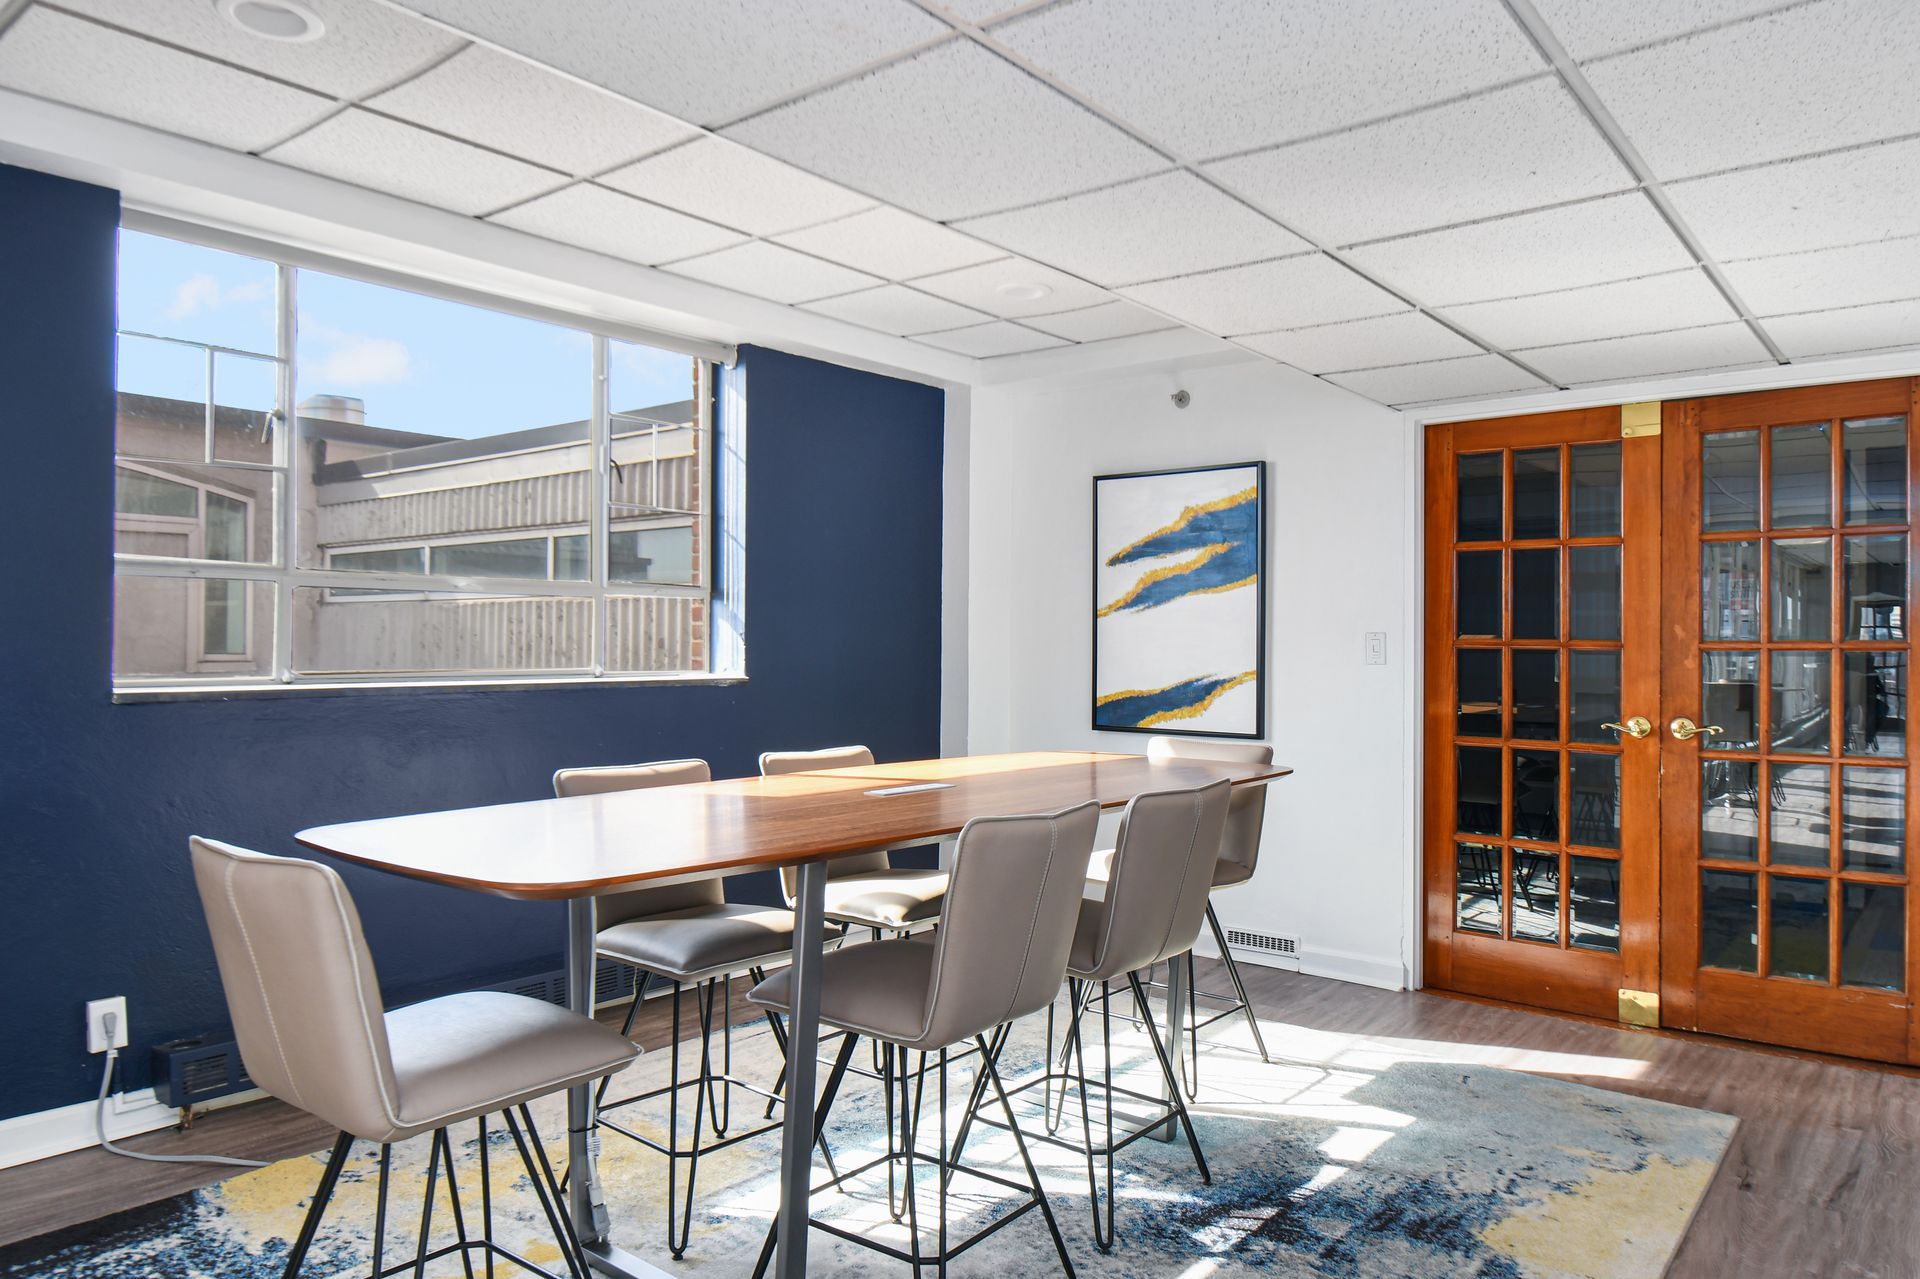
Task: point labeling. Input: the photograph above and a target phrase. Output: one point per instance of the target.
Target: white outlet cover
(97, 1009)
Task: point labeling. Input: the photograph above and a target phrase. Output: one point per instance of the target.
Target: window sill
(217, 692)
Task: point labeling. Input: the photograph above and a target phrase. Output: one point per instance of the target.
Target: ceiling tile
(1515, 148)
(358, 146)
(1716, 346)
(366, 45)
(1826, 278)
(1143, 230)
(891, 243)
(895, 308)
(514, 106)
(1614, 238)
(1208, 77)
(995, 287)
(707, 61)
(1854, 328)
(1362, 344)
(984, 341)
(1677, 299)
(618, 225)
(978, 10)
(726, 183)
(950, 132)
(1589, 30)
(1869, 193)
(1097, 323)
(1439, 380)
(1810, 78)
(769, 271)
(1268, 295)
(70, 60)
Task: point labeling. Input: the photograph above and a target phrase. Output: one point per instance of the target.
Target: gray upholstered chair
(1160, 871)
(687, 935)
(1239, 855)
(306, 1010)
(985, 967)
(866, 890)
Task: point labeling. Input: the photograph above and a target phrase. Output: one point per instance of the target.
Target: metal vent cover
(1263, 941)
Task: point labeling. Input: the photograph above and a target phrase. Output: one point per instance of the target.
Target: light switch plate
(1376, 648)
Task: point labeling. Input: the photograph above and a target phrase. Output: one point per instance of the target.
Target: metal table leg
(1176, 1032)
(586, 1202)
(803, 1044)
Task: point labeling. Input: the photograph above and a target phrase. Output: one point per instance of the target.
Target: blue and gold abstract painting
(1179, 601)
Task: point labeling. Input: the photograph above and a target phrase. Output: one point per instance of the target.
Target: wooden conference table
(579, 848)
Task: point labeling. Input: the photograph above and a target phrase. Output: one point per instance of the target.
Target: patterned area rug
(1350, 1156)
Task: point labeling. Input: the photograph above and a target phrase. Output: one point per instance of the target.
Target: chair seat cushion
(1225, 873)
(886, 898)
(875, 988)
(699, 939)
(470, 1054)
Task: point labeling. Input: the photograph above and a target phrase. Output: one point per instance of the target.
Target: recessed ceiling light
(1023, 292)
(287, 21)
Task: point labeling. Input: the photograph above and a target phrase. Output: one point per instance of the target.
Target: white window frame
(285, 577)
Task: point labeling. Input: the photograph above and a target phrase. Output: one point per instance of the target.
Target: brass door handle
(1636, 728)
(1684, 729)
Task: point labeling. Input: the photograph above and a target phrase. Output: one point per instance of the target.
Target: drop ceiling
(1452, 199)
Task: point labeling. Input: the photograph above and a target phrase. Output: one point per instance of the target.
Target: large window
(326, 480)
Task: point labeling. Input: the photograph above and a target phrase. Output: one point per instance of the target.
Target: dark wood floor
(1822, 1178)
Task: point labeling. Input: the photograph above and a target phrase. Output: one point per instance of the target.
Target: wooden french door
(1786, 911)
(1667, 762)
(1542, 809)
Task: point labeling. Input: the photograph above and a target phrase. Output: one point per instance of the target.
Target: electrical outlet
(98, 1041)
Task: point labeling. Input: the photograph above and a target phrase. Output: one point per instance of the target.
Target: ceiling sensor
(1023, 292)
(287, 21)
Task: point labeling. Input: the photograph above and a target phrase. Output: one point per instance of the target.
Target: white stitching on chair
(387, 1103)
(1033, 921)
(1193, 836)
(253, 960)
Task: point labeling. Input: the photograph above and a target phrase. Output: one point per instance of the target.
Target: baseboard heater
(190, 1072)
(1285, 951)
(612, 984)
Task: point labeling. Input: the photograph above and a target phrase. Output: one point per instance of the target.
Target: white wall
(1333, 870)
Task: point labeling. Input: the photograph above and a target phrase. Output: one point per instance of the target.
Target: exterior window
(522, 557)
(398, 486)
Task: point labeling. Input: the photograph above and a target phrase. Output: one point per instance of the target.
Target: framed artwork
(1179, 601)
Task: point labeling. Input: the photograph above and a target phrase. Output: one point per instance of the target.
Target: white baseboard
(1318, 961)
(1347, 965)
(46, 1133)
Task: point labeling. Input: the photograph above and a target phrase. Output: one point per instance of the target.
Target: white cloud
(356, 359)
(203, 292)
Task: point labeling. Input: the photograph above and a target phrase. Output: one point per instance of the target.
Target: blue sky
(420, 364)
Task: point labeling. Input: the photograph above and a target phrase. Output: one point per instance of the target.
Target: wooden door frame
(1562, 977)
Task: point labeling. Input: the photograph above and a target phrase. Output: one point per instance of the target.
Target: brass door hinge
(1640, 1008)
(1639, 419)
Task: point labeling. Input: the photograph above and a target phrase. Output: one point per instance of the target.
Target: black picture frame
(1259, 730)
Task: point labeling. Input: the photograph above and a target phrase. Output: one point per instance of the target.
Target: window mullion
(287, 556)
(600, 496)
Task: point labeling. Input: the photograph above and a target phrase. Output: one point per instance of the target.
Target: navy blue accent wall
(843, 498)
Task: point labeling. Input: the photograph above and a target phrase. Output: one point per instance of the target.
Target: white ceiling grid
(1452, 199)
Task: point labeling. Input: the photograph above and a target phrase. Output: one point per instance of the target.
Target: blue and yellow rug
(1354, 1156)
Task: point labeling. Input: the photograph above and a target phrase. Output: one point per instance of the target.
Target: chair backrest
(1161, 874)
(1008, 924)
(1241, 843)
(300, 985)
(618, 908)
(775, 763)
